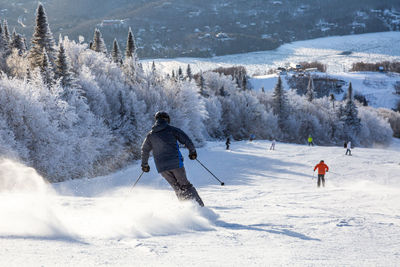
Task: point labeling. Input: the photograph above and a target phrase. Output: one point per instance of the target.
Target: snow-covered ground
(270, 213)
(332, 51)
(378, 88)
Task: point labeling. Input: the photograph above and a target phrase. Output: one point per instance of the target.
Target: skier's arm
(327, 168)
(146, 148)
(184, 139)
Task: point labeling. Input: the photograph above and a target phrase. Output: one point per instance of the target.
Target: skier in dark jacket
(163, 141)
(227, 143)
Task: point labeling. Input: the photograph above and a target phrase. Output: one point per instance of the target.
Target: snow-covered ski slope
(338, 53)
(270, 213)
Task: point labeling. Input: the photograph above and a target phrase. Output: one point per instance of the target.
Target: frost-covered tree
(350, 117)
(4, 42)
(42, 39)
(17, 42)
(6, 32)
(189, 73)
(310, 90)
(180, 73)
(115, 53)
(130, 50)
(17, 64)
(46, 70)
(98, 42)
(280, 105)
(62, 68)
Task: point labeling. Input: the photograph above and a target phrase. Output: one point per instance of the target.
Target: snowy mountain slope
(378, 88)
(371, 47)
(269, 213)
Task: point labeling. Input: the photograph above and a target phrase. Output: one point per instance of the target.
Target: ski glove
(193, 155)
(145, 167)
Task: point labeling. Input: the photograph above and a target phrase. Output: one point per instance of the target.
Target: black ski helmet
(162, 115)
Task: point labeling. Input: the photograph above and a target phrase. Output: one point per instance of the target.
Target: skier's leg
(323, 180)
(170, 177)
(319, 180)
(187, 189)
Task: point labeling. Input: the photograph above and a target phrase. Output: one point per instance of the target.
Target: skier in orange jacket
(322, 168)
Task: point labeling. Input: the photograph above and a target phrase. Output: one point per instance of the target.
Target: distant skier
(272, 145)
(227, 143)
(163, 140)
(348, 150)
(310, 141)
(252, 137)
(322, 168)
(345, 144)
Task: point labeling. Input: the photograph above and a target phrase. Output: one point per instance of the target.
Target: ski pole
(137, 180)
(222, 183)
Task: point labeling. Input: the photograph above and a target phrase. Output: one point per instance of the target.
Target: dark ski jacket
(163, 140)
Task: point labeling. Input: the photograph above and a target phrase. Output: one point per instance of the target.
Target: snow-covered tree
(350, 117)
(42, 39)
(98, 42)
(6, 32)
(115, 53)
(62, 68)
(189, 73)
(180, 73)
(17, 42)
(130, 50)
(310, 90)
(280, 105)
(46, 70)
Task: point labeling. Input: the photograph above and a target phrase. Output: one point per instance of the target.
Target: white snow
(378, 88)
(370, 47)
(270, 213)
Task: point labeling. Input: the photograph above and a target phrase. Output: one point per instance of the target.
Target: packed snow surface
(270, 212)
(337, 52)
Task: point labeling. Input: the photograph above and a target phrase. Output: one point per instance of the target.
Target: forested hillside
(192, 28)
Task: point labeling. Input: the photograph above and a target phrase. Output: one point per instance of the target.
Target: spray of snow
(30, 208)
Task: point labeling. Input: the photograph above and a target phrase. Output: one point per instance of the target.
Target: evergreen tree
(98, 42)
(280, 105)
(180, 73)
(46, 70)
(153, 67)
(352, 124)
(4, 41)
(189, 73)
(332, 99)
(310, 90)
(202, 85)
(28, 75)
(17, 42)
(116, 54)
(42, 39)
(130, 51)
(6, 31)
(244, 82)
(62, 68)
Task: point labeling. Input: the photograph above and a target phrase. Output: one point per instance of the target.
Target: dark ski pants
(227, 146)
(184, 190)
(348, 151)
(321, 177)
